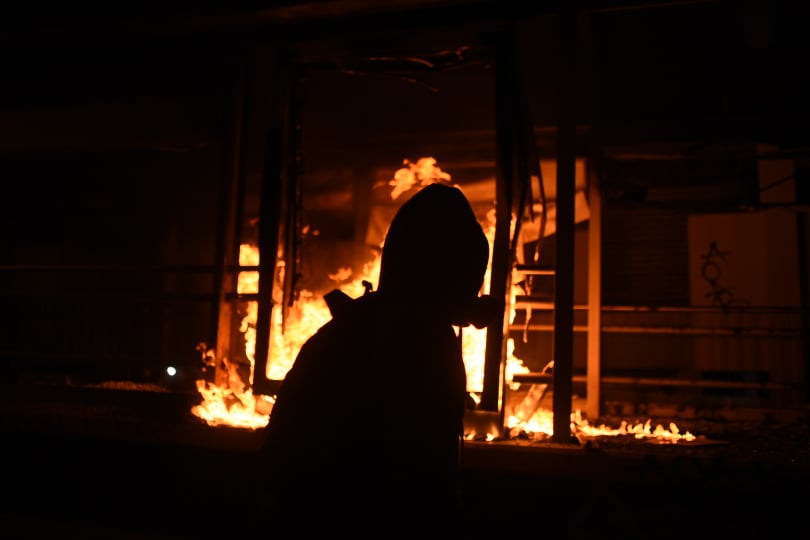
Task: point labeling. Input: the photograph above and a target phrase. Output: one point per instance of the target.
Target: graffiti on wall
(714, 261)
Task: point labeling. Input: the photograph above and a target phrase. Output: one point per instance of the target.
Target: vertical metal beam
(273, 191)
(227, 242)
(500, 271)
(566, 185)
(593, 385)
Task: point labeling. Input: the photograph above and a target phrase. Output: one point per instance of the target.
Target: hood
(435, 251)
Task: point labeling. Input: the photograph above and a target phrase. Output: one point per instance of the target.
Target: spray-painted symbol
(712, 272)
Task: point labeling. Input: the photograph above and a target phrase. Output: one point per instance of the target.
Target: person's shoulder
(347, 313)
(367, 305)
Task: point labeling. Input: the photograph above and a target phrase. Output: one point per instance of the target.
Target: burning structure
(655, 257)
(181, 192)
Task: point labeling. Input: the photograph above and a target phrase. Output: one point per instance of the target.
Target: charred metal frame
(270, 73)
(279, 201)
(280, 168)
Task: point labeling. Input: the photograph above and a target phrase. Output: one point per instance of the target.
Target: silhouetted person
(366, 431)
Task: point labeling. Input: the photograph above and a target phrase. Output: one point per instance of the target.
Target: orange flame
(235, 405)
(541, 424)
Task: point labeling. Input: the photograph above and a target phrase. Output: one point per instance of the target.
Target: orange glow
(423, 172)
(541, 424)
(235, 405)
(639, 430)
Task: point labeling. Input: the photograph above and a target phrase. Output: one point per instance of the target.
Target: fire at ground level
(137, 465)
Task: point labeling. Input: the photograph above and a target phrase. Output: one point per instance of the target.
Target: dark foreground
(170, 476)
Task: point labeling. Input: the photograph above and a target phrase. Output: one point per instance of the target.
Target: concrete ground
(135, 472)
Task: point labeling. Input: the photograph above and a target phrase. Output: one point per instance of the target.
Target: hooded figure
(366, 431)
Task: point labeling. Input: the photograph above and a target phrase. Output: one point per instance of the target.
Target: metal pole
(272, 195)
(501, 257)
(564, 256)
(227, 242)
(594, 337)
(594, 362)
